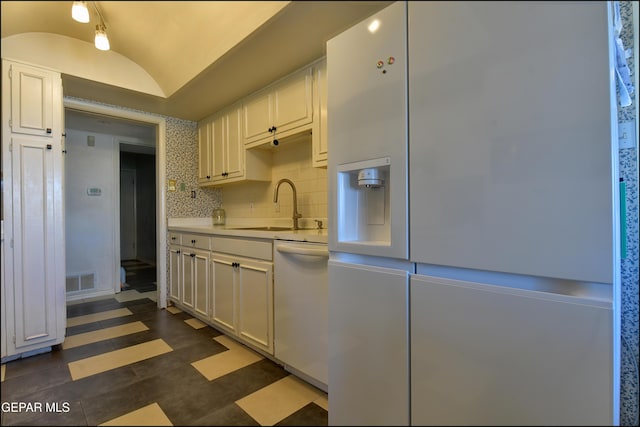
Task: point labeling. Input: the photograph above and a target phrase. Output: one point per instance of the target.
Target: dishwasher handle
(299, 250)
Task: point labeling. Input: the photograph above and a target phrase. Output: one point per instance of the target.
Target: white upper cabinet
(280, 110)
(319, 133)
(32, 103)
(221, 153)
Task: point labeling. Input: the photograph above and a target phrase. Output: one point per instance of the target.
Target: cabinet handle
(208, 176)
(193, 241)
(48, 130)
(49, 146)
(192, 255)
(178, 251)
(173, 238)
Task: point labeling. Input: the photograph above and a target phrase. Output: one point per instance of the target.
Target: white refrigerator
(471, 172)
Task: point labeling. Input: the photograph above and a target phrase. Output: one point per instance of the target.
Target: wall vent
(80, 282)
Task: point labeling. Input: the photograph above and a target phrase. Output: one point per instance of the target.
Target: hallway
(126, 362)
(139, 275)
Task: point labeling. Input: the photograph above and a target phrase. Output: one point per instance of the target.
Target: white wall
(255, 199)
(91, 220)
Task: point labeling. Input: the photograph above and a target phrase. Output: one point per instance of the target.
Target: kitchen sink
(268, 228)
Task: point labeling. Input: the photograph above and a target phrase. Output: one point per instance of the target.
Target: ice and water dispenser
(364, 202)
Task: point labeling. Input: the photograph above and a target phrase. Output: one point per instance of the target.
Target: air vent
(80, 282)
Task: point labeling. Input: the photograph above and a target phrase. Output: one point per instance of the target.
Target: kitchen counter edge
(316, 236)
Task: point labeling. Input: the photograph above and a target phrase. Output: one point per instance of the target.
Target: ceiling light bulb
(79, 11)
(101, 40)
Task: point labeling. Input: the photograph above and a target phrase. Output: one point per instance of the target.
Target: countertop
(303, 235)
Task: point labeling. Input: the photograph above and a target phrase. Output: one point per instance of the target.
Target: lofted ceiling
(203, 55)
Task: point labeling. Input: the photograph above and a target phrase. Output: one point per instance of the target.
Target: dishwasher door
(301, 310)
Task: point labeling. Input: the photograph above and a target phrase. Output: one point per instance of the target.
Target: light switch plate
(627, 134)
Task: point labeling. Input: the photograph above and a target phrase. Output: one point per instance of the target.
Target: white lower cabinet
(226, 281)
(243, 298)
(195, 280)
(174, 273)
(189, 273)
(224, 291)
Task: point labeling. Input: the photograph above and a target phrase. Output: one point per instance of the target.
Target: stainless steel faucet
(296, 215)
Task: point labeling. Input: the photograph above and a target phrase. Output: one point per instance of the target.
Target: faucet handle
(318, 224)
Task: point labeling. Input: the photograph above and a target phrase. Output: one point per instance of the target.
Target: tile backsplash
(254, 200)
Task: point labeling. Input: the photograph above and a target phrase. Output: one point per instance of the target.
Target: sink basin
(268, 228)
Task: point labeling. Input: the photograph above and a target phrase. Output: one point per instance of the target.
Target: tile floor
(125, 362)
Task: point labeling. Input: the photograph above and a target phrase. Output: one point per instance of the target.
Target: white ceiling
(204, 55)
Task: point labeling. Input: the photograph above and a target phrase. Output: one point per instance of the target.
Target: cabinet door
(174, 273)
(234, 145)
(319, 134)
(218, 163)
(255, 295)
(204, 152)
(34, 243)
(201, 282)
(32, 93)
(258, 116)
(223, 310)
(292, 101)
(186, 274)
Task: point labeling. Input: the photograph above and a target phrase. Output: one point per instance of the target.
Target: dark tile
(249, 379)
(310, 415)
(52, 413)
(24, 385)
(87, 350)
(167, 385)
(185, 396)
(143, 307)
(93, 307)
(229, 415)
(182, 356)
(85, 387)
(41, 362)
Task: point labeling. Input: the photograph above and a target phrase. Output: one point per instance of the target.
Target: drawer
(175, 238)
(260, 249)
(198, 241)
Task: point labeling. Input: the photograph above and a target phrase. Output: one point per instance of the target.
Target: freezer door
(368, 345)
(491, 355)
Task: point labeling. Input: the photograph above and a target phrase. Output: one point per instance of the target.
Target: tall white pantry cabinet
(33, 247)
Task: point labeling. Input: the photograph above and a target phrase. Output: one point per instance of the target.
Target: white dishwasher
(301, 310)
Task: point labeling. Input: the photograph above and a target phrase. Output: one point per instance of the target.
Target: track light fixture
(101, 41)
(80, 13)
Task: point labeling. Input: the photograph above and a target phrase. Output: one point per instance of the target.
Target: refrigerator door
(510, 137)
(490, 355)
(367, 122)
(368, 345)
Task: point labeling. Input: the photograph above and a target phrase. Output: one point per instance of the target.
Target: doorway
(137, 218)
(158, 124)
(127, 214)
